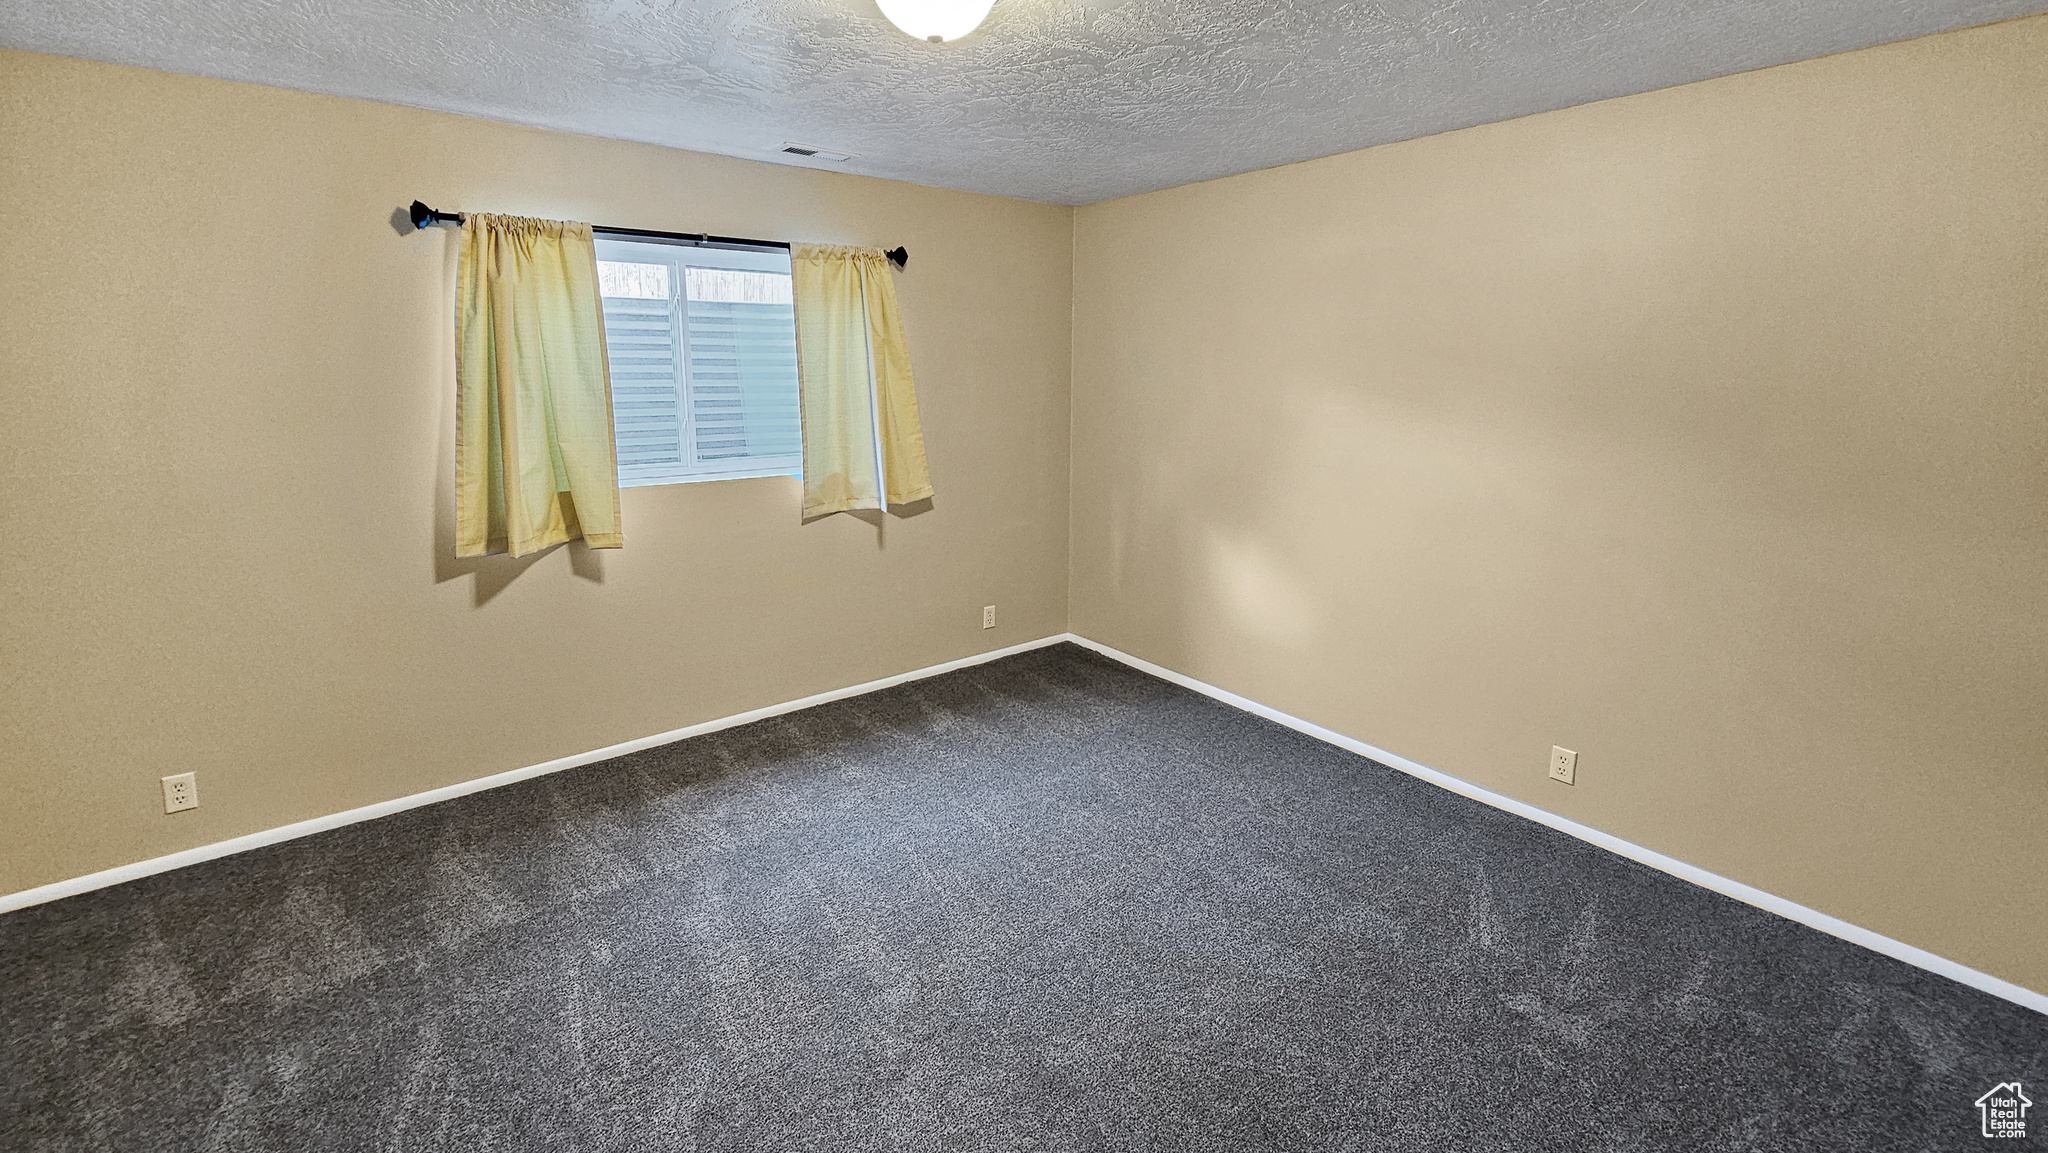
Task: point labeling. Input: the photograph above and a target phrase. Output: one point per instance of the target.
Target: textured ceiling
(1068, 101)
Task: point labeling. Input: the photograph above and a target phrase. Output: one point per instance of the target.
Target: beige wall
(1701, 431)
(228, 449)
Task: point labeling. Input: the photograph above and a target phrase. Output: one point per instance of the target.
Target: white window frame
(679, 256)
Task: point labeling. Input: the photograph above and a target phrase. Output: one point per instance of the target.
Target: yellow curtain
(863, 445)
(534, 458)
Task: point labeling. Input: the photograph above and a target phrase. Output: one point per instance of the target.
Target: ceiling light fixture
(936, 20)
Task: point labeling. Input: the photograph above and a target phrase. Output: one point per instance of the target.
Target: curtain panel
(863, 444)
(535, 463)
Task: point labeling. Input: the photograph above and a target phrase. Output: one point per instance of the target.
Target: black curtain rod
(424, 217)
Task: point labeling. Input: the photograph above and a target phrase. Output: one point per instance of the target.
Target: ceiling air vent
(816, 153)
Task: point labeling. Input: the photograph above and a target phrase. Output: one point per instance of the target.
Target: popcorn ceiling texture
(1052, 100)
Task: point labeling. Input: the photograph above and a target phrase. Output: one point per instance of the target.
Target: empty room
(939, 575)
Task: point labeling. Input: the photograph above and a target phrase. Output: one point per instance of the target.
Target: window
(702, 343)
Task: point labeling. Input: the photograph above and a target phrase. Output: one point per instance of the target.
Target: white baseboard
(1748, 894)
(242, 844)
(1834, 926)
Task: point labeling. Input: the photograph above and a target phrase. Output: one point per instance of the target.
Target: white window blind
(702, 343)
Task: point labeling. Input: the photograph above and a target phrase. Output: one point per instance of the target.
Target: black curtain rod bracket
(424, 217)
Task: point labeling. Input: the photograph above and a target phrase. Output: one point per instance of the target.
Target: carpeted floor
(1046, 903)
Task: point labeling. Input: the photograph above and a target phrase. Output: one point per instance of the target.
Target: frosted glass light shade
(936, 19)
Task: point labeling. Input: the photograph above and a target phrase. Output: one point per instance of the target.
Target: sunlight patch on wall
(1255, 588)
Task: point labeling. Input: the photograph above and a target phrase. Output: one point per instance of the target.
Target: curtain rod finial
(900, 257)
(424, 217)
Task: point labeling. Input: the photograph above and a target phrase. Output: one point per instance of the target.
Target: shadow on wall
(495, 574)
(879, 519)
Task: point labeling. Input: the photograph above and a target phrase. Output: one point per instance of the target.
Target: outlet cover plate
(1564, 765)
(181, 792)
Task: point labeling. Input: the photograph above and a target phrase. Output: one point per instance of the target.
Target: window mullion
(685, 368)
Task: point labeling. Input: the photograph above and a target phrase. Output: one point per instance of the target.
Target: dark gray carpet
(1047, 903)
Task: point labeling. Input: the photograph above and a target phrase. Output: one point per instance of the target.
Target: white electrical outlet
(988, 616)
(180, 793)
(1564, 764)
